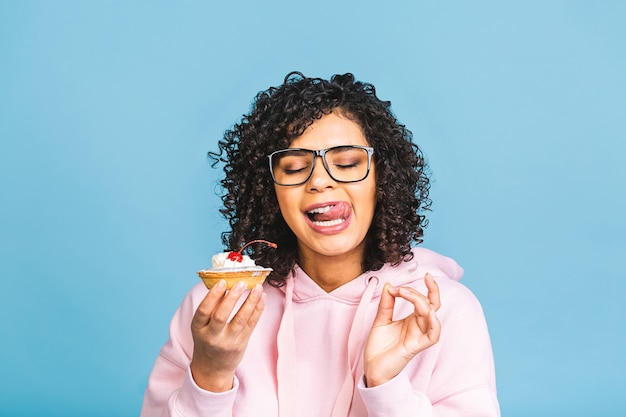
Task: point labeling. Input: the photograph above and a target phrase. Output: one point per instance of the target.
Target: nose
(320, 178)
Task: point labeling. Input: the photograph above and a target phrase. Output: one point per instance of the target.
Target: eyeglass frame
(322, 154)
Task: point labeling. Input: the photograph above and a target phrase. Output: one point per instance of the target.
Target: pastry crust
(232, 276)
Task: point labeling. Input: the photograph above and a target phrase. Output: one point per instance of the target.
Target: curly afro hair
(280, 114)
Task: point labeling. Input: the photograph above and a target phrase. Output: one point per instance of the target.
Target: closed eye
(294, 171)
(347, 166)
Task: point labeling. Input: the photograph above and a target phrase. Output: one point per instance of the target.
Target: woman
(353, 321)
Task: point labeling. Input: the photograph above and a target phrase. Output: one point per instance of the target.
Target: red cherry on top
(238, 257)
(235, 256)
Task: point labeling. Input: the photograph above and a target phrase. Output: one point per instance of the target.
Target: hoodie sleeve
(395, 398)
(453, 378)
(171, 390)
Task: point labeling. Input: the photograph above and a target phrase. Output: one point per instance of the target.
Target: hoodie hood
(405, 273)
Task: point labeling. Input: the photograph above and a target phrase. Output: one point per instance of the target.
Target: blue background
(108, 204)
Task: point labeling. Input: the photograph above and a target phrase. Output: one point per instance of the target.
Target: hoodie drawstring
(355, 347)
(286, 361)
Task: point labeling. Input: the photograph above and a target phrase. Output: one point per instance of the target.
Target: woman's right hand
(219, 344)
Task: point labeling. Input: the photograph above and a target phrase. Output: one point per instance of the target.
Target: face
(329, 218)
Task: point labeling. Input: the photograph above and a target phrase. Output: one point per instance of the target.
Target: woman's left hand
(392, 344)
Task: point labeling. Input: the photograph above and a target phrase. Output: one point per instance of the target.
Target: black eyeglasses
(294, 166)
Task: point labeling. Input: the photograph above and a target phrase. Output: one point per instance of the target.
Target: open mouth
(330, 215)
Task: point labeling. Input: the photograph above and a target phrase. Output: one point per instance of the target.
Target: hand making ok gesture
(392, 344)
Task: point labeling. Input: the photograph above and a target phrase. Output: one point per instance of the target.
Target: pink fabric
(305, 356)
(287, 360)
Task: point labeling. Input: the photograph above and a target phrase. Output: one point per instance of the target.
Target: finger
(258, 309)
(433, 291)
(225, 308)
(384, 315)
(419, 301)
(254, 317)
(249, 311)
(429, 335)
(434, 330)
(205, 309)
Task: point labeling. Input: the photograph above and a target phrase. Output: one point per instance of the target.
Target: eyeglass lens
(343, 163)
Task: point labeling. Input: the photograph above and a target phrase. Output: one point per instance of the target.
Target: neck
(331, 272)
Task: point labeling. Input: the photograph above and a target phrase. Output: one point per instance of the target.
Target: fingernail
(221, 284)
(239, 287)
(257, 290)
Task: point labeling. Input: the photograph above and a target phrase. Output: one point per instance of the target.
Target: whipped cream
(220, 260)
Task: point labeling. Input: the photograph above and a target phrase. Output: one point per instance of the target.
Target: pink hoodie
(305, 356)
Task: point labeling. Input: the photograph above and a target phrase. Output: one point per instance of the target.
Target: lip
(329, 229)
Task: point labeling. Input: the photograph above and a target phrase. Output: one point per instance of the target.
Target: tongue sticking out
(339, 211)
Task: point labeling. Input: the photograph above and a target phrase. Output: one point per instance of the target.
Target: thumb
(384, 315)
